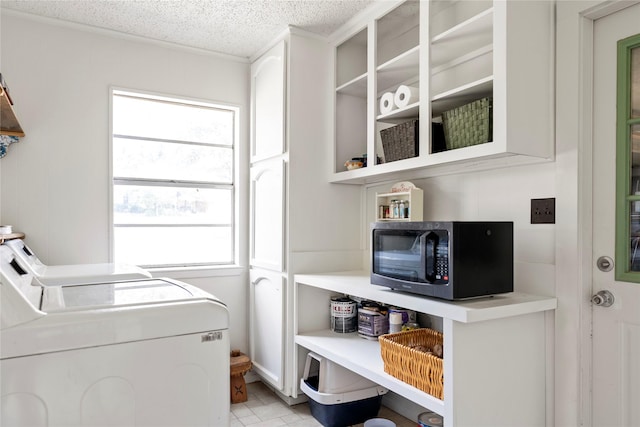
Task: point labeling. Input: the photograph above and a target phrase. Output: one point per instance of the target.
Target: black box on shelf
(400, 141)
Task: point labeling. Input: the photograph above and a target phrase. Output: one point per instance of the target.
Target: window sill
(197, 272)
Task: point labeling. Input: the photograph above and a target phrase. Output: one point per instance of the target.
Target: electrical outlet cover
(543, 211)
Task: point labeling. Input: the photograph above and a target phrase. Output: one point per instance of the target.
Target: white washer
(52, 275)
(149, 352)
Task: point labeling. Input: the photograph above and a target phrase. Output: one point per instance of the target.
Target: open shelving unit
(494, 352)
(455, 52)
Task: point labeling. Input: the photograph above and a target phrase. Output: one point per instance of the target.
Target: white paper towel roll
(387, 103)
(406, 95)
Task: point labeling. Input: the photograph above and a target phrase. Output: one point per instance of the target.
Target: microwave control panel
(438, 257)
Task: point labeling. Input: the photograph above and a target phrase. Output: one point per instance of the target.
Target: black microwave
(450, 260)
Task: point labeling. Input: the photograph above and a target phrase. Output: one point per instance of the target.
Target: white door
(266, 325)
(268, 103)
(267, 214)
(616, 329)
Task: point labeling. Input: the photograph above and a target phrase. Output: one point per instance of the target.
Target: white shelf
(462, 38)
(480, 23)
(469, 311)
(355, 87)
(461, 95)
(362, 356)
(462, 59)
(402, 68)
(411, 111)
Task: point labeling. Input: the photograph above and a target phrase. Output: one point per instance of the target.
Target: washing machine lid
(113, 295)
(54, 275)
(85, 316)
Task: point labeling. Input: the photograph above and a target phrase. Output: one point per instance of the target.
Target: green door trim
(624, 192)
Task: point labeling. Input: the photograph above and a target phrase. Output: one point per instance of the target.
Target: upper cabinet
(268, 94)
(429, 62)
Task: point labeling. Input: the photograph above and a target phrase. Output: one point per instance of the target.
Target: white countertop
(357, 283)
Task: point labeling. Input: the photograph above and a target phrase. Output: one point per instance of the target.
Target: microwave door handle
(429, 261)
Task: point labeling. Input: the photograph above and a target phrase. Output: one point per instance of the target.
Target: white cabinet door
(267, 214)
(267, 325)
(268, 103)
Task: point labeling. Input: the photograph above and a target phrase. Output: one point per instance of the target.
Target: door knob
(603, 299)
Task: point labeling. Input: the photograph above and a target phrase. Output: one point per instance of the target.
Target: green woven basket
(469, 124)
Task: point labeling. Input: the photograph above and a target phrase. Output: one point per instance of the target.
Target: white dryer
(148, 352)
(74, 273)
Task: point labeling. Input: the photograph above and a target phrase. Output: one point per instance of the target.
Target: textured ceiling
(234, 27)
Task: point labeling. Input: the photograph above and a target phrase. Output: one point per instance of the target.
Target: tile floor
(264, 409)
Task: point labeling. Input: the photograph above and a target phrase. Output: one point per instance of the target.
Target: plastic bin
(339, 397)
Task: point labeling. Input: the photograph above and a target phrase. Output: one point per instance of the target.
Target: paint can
(344, 315)
(408, 316)
(430, 419)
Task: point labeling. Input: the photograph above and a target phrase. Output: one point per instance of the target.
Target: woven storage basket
(400, 141)
(469, 124)
(421, 370)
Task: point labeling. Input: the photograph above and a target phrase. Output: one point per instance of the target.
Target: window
(628, 161)
(173, 181)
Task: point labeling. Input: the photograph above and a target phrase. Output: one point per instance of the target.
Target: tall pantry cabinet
(296, 225)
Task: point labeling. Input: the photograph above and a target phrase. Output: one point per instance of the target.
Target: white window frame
(194, 270)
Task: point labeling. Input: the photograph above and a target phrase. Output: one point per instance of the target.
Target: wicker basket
(400, 141)
(469, 124)
(421, 370)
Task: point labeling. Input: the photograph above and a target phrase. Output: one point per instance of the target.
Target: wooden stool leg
(238, 389)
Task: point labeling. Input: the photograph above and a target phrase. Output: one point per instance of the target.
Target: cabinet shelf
(411, 111)
(362, 356)
(484, 50)
(480, 23)
(401, 69)
(469, 311)
(461, 95)
(467, 36)
(355, 87)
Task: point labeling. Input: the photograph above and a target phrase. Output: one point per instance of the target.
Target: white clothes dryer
(52, 275)
(147, 352)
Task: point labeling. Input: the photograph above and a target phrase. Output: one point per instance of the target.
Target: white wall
(55, 182)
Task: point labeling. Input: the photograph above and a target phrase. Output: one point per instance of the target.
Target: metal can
(407, 315)
(430, 419)
(344, 315)
(372, 323)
